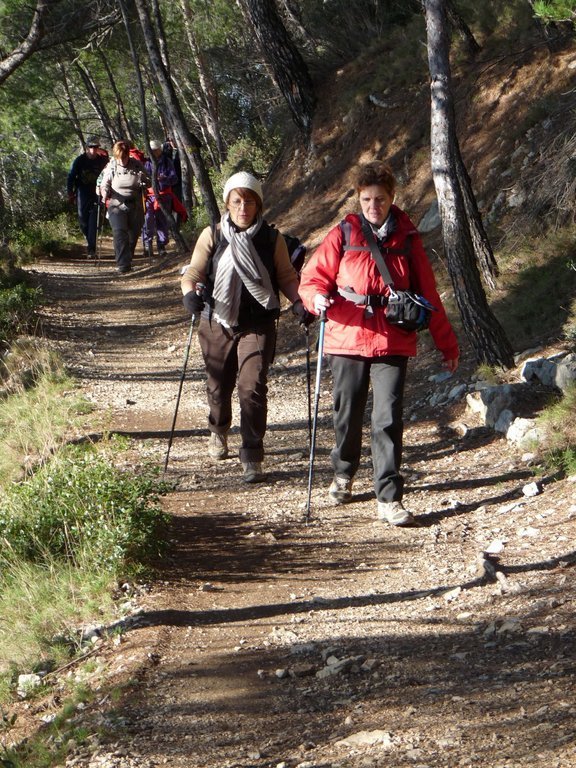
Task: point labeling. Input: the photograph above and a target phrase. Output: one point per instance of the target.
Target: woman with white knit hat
(234, 279)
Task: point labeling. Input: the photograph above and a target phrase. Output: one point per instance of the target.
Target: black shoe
(124, 270)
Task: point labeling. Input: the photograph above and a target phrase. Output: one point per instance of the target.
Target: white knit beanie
(242, 180)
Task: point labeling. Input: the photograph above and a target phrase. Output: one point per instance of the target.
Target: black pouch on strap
(408, 310)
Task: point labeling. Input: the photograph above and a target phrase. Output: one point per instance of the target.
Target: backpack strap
(346, 228)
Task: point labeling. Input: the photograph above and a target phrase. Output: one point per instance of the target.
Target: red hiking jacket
(349, 329)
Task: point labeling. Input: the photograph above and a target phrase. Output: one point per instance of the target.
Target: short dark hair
(376, 173)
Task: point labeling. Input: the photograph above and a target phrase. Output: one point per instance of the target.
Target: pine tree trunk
(18, 56)
(293, 15)
(175, 116)
(123, 124)
(481, 243)
(95, 99)
(288, 68)
(208, 100)
(464, 30)
(70, 104)
(484, 332)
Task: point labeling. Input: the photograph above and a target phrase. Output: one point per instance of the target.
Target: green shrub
(538, 286)
(555, 10)
(69, 534)
(559, 423)
(35, 239)
(17, 305)
(39, 407)
(80, 509)
(254, 155)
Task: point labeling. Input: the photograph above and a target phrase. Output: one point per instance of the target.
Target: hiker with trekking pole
(372, 278)
(244, 265)
(121, 188)
(82, 193)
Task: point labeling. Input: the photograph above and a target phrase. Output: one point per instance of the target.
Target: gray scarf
(240, 265)
(383, 233)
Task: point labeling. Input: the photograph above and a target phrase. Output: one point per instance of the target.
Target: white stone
(27, 684)
(495, 547)
(532, 489)
(366, 739)
(523, 432)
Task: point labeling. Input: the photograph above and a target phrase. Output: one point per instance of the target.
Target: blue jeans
(88, 217)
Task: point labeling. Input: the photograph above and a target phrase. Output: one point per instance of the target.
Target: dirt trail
(268, 642)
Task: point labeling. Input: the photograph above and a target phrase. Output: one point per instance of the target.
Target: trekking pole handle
(198, 290)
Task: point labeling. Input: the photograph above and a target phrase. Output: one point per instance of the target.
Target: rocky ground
(266, 640)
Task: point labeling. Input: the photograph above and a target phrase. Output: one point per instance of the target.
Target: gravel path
(265, 641)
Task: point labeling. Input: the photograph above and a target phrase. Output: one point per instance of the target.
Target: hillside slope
(516, 116)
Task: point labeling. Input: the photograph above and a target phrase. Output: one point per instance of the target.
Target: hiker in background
(242, 264)
(82, 191)
(155, 224)
(361, 345)
(170, 149)
(121, 188)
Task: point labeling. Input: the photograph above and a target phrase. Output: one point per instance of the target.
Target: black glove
(193, 302)
(304, 317)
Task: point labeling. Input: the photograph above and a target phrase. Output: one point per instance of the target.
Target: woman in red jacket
(361, 345)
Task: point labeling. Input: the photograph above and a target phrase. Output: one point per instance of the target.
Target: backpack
(296, 250)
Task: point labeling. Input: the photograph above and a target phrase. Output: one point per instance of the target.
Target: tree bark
(288, 68)
(123, 124)
(70, 106)
(482, 246)
(484, 332)
(27, 47)
(186, 138)
(208, 97)
(294, 17)
(160, 36)
(95, 99)
(464, 30)
(134, 54)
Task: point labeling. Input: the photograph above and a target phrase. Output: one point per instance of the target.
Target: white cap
(245, 181)
(155, 144)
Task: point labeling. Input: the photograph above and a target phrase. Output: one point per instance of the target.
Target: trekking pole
(308, 385)
(99, 228)
(316, 401)
(199, 289)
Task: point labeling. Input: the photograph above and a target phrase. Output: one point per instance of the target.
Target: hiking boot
(340, 491)
(395, 513)
(252, 472)
(218, 446)
(91, 255)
